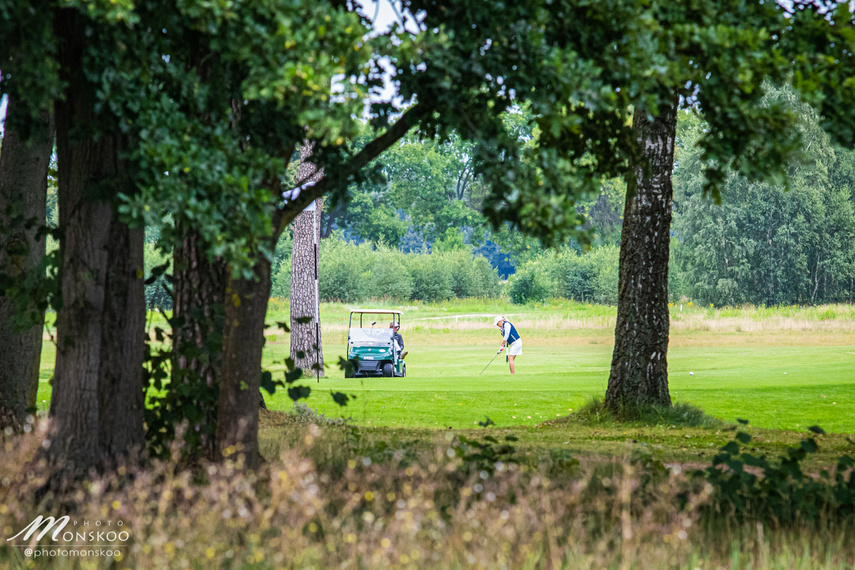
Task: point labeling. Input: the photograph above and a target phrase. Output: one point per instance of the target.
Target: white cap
(497, 319)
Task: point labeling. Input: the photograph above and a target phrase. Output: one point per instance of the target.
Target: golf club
(492, 359)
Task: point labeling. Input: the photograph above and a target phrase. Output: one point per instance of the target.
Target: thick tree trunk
(23, 191)
(306, 337)
(121, 389)
(100, 322)
(197, 336)
(243, 341)
(85, 221)
(639, 372)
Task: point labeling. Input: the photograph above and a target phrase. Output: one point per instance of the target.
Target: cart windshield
(370, 336)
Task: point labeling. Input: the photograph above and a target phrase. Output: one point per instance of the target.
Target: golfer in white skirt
(511, 338)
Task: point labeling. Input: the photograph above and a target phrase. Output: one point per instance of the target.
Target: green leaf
(292, 376)
(299, 392)
(267, 382)
(809, 445)
(157, 272)
(340, 398)
(345, 365)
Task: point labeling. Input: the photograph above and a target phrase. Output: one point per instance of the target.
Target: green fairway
(784, 368)
(772, 385)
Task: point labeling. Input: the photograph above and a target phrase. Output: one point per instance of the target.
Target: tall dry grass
(343, 510)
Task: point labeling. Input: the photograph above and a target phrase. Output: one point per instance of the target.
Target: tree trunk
(101, 279)
(331, 217)
(243, 341)
(121, 388)
(639, 372)
(197, 335)
(306, 337)
(23, 191)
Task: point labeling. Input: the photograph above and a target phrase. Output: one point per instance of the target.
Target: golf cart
(370, 348)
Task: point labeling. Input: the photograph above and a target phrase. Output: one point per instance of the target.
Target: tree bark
(121, 388)
(101, 281)
(23, 191)
(306, 337)
(197, 339)
(639, 371)
(243, 342)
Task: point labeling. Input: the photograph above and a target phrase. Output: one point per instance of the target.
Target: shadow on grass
(596, 414)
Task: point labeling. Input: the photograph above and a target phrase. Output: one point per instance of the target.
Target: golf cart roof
(377, 311)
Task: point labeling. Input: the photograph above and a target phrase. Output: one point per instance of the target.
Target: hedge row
(587, 278)
(352, 273)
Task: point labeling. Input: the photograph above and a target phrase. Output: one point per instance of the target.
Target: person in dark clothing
(397, 339)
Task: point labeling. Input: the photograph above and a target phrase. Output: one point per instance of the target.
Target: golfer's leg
(511, 364)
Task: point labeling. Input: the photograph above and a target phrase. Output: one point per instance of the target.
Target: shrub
(527, 286)
(471, 277)
(451, 240)
(351, 273)
(389, 277)
(281, 279)
(281, 267)
(432, 279)
(462, 276)
(577, 278)
(343, 270)
(591, 277)
(784, 495)
(302, 414)
(486, 281)
(605, 262)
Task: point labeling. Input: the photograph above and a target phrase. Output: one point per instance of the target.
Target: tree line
(764, 244)
(193, 112)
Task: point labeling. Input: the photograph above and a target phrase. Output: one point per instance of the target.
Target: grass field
(783, 367)
(780, 368)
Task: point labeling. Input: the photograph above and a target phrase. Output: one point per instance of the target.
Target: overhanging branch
(372, 150)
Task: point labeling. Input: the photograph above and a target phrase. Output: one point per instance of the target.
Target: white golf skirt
(515, 348)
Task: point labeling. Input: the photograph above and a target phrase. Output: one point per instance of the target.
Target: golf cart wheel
(388, 370)
(350, 371)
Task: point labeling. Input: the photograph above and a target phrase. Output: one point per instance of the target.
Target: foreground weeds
(333, 499)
